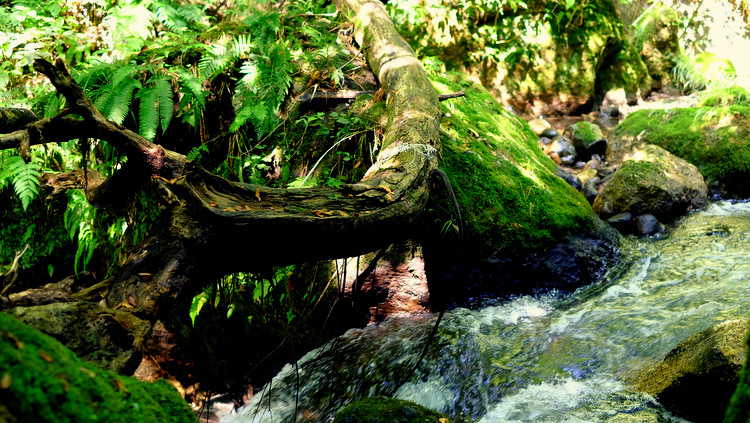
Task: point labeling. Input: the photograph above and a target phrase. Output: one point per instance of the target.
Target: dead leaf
(257, 193)
(227, 209)
(386, 189)
(146, 274)
(15, 340)
(121, 386)
(46, 357)
(388, 196)
(87, 371)
(443, 420)
(213, 204)
(5, 381)
(318, 213)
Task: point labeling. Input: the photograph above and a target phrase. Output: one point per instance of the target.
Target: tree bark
(214, 227)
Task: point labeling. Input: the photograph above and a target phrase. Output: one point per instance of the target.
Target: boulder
(515, 208)
(587, 139)
(697, 378)
(715, 139)
(653, 182)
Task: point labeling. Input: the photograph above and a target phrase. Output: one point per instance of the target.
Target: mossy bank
(42, 381)
(714, 139)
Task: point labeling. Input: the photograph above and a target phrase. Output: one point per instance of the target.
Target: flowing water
(549, 358)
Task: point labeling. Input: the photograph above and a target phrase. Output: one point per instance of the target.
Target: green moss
(715, 140)
(505, 186)
(738, 410)
(42, 381)
(625, 70)
(387, 410)
(734, 95)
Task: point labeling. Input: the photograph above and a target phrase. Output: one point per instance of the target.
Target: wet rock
(647, 225)
(653, 182)
(587, 175)
(591, 189)
(549, 133)
(587, 138)
(568, 177)
(697, 378)
(623, 222)
(562, 146)
(539, 126)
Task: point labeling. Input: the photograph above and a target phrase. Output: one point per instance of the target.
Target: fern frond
(193, 87)
(148, 118)
(25, 178)
(166, 105)
(215, 59)
(178, 17)
(121, 99)
(123, 73)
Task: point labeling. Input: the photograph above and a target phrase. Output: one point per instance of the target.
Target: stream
(547, 358)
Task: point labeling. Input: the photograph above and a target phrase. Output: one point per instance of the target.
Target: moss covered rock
(715, 140)
(696, 379)
(738, 410)
(656, 38)
(624, 79)
(512, 202)
(387, 410)
(653, 182)
(587, 138)
(538, 56)
(110, 338)
(42, 381)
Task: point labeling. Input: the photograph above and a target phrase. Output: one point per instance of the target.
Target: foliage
(705, 71)
(24, 176)
(374, 408)
(45, 382)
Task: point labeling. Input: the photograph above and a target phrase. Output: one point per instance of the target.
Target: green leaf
(148, 118)
(197, 304)
(25, 177)
(166, 105)
(122, 97)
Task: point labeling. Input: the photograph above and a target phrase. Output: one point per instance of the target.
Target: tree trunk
(214, 227)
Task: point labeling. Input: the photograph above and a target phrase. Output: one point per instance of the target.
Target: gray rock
(549, 133)
(647, 224)
(568, 177)
(562, 146)
(697, 378)
(653, 182)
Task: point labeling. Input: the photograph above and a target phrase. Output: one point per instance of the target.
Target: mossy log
(213, 226)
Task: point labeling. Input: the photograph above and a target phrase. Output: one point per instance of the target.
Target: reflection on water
(549, 358)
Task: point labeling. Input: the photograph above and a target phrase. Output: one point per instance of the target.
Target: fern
(148, 118)
(121, 98)
(78, 219)
(178, 17)
(260, 103)
(163, 89)
(193, 101)
(24, 177)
